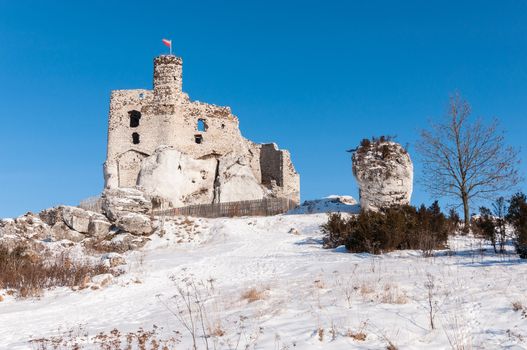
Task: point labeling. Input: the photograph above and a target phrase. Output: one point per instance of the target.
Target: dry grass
(358, 336)
(253, 294)
(517, 306)
(78, 339)
(320, 333)
(392, 295)
(319, 284)
(217, 330)
(365, 289)
(28, 273)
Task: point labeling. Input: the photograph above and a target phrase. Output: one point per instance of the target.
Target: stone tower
(168, 78)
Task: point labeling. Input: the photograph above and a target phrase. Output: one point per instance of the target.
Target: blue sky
(314, 76)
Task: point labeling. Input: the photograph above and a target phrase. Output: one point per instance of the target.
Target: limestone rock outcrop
(134, 223)
(120, 201)
(177, 177)
(384, 172)
(61, 231)
(235, 180)
(184, 180)
(76, 218)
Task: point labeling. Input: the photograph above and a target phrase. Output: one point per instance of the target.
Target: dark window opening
(135, 138)
(134, 118)
(198, 139)
(223, 126)
(202, 126)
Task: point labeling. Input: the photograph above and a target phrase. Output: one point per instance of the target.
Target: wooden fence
(92, 203)
(260, 207)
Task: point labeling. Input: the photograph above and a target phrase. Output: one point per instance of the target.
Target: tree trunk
(466, 212)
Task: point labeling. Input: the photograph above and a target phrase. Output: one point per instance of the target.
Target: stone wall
(271, 164)
(167, 117)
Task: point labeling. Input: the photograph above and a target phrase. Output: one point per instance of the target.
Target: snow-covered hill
(266, 283)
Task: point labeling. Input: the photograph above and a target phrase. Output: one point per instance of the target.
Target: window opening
(134, 118)
(202, 126)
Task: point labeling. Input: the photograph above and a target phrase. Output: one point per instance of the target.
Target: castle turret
(168, 77)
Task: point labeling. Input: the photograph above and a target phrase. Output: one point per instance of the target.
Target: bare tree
(466, 159)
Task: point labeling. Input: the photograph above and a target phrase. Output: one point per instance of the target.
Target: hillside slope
(266, 283)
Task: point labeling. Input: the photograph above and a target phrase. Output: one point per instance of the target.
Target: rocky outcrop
(27, 226)
(75, 225)
(76, 218)
(134, 223)
(184, 180)
(235, 180)
(384, 172)
(120, 201)
(99, 228)
(178, 177)
(61, 231)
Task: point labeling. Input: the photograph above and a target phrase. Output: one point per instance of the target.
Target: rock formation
(183, 180)
(384, 172)
(122, 225)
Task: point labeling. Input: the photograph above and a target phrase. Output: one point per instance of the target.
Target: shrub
(485, 227)
(517, 217)
(28, 273)
(394, 228)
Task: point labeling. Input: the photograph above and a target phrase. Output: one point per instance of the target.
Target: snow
(308, 297)
(333, 203)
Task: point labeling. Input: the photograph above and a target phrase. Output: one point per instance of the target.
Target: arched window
(135, 138)
(134, 118)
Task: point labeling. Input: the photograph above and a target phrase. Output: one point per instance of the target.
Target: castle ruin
(142, 123)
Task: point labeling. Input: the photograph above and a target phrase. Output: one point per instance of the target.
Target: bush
(28, 274)
(485, 227)
(394, 228)
(517, 217)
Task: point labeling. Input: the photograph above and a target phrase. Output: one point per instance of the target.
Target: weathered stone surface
(113, 259)
(141, 120)
(184, 180)
(102, 280)
(235, 180)
(122, 242)
(99, 228)
(76, 218)
(136, 224)
(384, 173)
(61, 231)
(120, 201)
(28, 226)
(178, 177)
(51, 216)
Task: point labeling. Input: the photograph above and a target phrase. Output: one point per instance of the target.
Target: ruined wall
(167, 117)
(271, 166)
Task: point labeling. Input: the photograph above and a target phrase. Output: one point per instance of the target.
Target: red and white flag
(168, 43)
